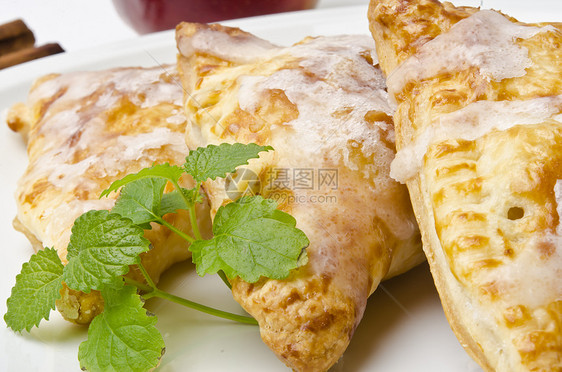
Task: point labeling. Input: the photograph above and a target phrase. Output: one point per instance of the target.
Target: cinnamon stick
(14, 36)
(29, 54)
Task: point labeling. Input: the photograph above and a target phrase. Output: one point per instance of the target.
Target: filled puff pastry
(85, 130)
(322, 105)
(479, 138)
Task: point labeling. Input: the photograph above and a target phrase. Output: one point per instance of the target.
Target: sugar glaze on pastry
(85, 130)
(478, 128)
(322, 105)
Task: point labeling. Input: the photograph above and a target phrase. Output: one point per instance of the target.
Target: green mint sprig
(216, 161)
(166, 171)
(252, 239)
(122, 338)
(37, 288)
(101, 248)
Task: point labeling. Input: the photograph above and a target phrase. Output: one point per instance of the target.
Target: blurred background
(79, 24)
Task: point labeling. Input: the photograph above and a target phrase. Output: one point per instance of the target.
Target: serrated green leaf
(251, 239)
(101, 248)
(37, 288)
(140, 201)
(122, 338)
(216, 161)
(172, 201)
(165, 171)
(193, 196)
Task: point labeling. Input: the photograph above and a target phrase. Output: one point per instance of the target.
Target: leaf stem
(193, 217)
(155, 292)
(177, 231)
(139, 285)
(146, 276)
(202, 308)
(224, 279)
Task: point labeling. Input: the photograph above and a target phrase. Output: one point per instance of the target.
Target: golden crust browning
(298, 315)
(85, 130)
(487, 204)
(406, 25)
(285, 97)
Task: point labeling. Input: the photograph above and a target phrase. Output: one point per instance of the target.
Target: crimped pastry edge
(450, 291)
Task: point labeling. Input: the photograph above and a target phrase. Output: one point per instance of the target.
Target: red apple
(155, 15)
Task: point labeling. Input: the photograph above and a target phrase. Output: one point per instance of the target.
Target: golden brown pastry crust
(85, 130)
(486, 203)
(321, 104)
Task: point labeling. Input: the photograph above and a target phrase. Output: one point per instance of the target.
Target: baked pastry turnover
(85, 130)
(479, 138)
(322, 105)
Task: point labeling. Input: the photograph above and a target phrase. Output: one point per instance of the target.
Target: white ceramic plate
(403, 329)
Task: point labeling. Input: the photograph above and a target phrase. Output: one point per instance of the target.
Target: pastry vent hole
(515, 213)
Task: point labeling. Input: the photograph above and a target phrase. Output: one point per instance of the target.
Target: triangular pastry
(479, 138)
(85, 130)
(322, 105)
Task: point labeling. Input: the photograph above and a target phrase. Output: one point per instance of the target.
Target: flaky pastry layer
(85, 130)
(322, 105)
(478, 125)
